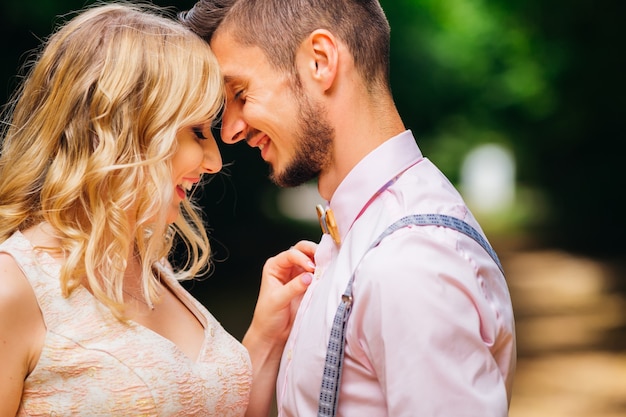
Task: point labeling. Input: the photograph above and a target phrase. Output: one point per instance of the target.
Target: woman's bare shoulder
(22, 328)
(13, 284)
(17, 298)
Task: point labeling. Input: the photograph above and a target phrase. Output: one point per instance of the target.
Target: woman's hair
(278, 27)
(88, 140)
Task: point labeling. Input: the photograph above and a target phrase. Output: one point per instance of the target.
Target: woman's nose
(212, 159)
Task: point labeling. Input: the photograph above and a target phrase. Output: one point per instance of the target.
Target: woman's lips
(181, 192)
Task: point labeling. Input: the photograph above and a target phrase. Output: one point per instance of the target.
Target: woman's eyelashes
(197, 130)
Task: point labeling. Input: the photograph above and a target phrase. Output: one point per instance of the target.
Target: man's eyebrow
(229, 79)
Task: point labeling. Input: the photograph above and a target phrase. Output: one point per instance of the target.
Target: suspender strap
(329, 393)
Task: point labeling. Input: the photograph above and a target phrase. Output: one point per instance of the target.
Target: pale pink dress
(94, 365)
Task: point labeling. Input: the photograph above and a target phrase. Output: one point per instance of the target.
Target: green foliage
(457, 66)
(543, 78)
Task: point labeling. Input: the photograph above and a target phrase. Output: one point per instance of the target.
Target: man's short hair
(278, 27)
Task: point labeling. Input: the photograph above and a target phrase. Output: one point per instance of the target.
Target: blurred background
(521, 103)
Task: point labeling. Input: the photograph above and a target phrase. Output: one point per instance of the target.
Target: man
(431, 331)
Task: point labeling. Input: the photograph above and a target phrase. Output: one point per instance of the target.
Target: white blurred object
(488, 179)
(299, 203)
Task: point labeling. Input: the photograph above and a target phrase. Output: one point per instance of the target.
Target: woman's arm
(286, 277)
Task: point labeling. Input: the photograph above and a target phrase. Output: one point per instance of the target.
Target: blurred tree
(544, 78)
(578, 147)
(463, 67)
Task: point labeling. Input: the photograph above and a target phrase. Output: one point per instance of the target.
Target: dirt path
(572, 345)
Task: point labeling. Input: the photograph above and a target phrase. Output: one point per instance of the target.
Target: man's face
(266, 109)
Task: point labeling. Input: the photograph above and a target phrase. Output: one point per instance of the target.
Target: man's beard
(313, 150)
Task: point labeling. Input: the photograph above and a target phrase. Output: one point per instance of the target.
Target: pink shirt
(431, 331)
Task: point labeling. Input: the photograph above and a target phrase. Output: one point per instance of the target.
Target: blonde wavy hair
(88, 140)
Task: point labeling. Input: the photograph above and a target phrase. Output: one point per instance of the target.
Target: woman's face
(196, 153)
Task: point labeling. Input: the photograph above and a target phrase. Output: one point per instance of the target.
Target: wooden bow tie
(327, 222)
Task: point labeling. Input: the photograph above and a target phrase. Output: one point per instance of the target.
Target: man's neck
(365, 124)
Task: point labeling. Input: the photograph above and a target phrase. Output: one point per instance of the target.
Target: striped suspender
(334, 355)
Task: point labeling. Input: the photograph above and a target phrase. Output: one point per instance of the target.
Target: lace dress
(94, 365)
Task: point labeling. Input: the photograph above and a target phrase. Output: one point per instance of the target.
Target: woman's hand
(286, 277)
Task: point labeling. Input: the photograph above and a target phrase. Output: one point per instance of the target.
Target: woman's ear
(318, 58)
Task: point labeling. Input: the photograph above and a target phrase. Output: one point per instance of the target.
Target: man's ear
(319, 54)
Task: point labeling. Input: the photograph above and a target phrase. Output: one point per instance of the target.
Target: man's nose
(233, 125)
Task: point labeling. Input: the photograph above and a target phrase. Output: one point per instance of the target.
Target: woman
(109, 133)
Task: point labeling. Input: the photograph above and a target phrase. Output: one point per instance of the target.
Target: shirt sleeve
(424, 321)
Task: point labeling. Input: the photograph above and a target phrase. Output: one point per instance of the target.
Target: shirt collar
(371, 175)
